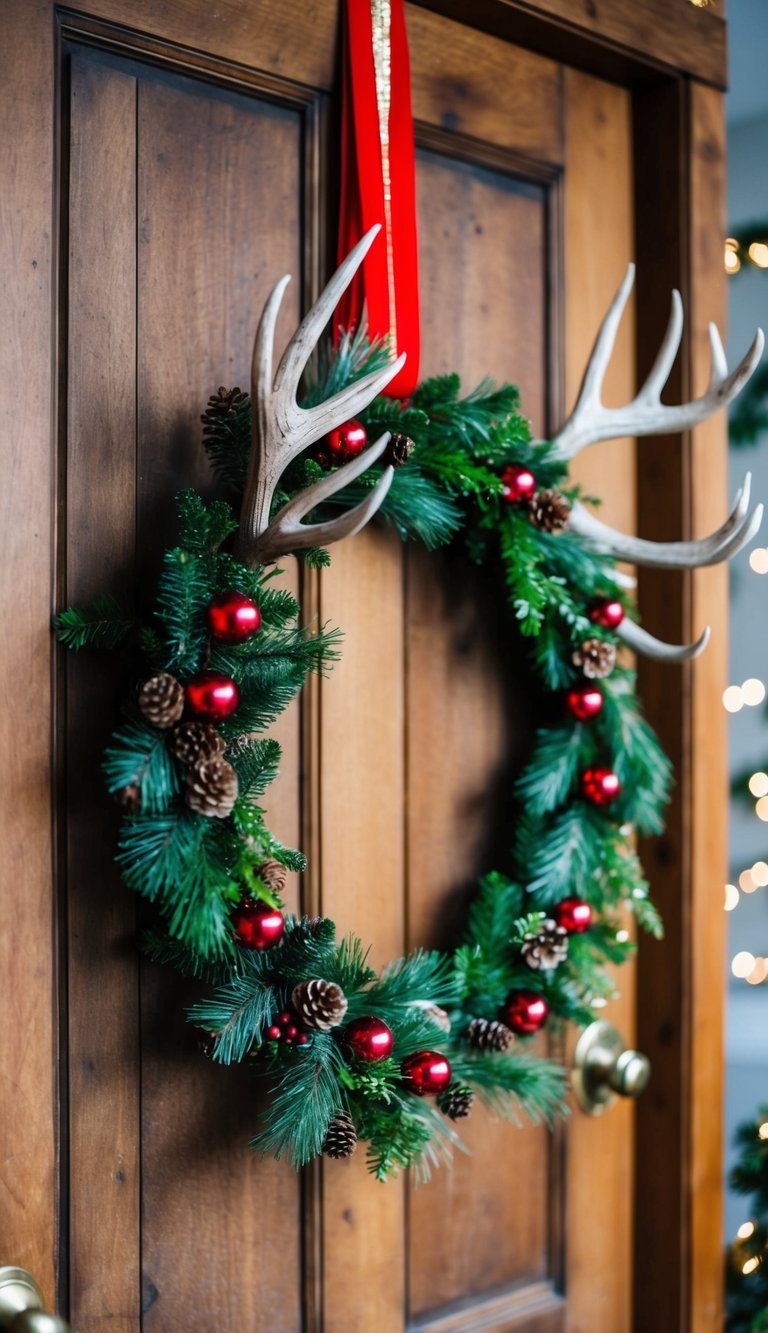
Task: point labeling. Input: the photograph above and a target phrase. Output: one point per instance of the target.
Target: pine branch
(237, 1013)
(256, 763)
(184, 592)
(512, 1083)
(550, 775)
(303, 1103)
(203, 526)
(103, 623)
(139, 757)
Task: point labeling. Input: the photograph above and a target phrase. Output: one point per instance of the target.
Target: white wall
(747, 1014)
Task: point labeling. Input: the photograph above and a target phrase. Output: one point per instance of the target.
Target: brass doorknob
(21, 1305)
(604, 1070)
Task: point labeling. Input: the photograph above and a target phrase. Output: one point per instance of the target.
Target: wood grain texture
(709, 794)
(104, 1152)
(28, 1034)
(218, 199)
(664, 470)
(598, 246)
(466, 726)
(471, 84)
(612, 39)
(362, 858)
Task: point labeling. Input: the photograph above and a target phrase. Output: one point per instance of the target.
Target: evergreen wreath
(397, 1058)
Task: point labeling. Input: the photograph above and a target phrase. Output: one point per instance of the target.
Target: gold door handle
(21, 1305)
(603, 1069)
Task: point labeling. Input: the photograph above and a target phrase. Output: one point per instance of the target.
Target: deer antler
(282, 430)
(591, 421)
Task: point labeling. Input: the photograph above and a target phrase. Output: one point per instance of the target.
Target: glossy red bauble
(524, 1012)
(606, 611)
(600, 786)
(426, 1073)
(345, 442)
(584, 702)
(232, 617)
(369, 1038)
(211, 696)
(257, 926)
(518, 483)
(574, 915)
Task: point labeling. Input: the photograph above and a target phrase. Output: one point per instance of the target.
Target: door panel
(193, 169)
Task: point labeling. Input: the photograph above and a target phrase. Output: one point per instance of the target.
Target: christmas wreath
(395, 1058)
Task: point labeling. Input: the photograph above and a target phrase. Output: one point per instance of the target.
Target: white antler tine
(665, 357)
(744, 371)
(264, 343)
(286, 532)
(640, 641)
(304, 340)
(726, 541)
(317, 421)
(604, 342)
(719, 360)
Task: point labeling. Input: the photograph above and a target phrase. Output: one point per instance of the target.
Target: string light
(731, 897)
(750, 1265)
(622, 936)
(758, 253)
(753, 689)
(733, 699)
(745, 1230)
(758, 560)
(761, 809)
(759, 872)
(746, 881)
(759, 972)
(758, 784)
(762, 1133)
(742, 963)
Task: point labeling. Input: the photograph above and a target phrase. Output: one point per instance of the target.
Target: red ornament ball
(584, 702)
(258, 926)
(369, 1038)
(600, 786)
(525, 1012)
(345, 442)
(273, 1033)
(232, 617)
(606, 611)
(518, 484)
(211, 696)
(426, 1073)
(574, 915)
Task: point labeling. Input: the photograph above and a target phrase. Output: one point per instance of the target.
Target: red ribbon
(387, 282)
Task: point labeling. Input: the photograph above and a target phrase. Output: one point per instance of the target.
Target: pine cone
(273, 875)
(399, 450)
(438, 1016)
(456, 1101)
(192, 742)
(547, 947)
(549, 510)
(489, 1035)
(319, 1004)
(221, 403)
(595, 657)
(161, 700)
(212, 788)
(129, 799)
(341, 1137)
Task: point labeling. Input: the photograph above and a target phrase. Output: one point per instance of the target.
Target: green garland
(199, 870)
(746, 1278)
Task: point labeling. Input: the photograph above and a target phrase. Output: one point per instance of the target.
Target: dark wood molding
(618, 41)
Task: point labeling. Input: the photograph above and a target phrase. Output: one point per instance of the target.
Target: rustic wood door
(192, 162)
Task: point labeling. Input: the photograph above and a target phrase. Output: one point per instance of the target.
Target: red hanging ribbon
(378, 180)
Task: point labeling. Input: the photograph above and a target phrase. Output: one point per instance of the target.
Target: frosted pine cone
(549, 510)
(596, 658)
(191, 742)
(161, 701)
(221, 403)
(489, 1035)
(341, 1136)
(319, 1004)
(212, 788)
(456, 1101)
(547, 947)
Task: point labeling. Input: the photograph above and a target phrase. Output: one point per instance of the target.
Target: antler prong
(640, 641)
(287, 533)
(652, 389)
(282, 429)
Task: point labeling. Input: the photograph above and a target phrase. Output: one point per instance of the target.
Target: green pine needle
(103, 623)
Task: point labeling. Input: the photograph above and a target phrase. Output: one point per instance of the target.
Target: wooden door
(192, 163)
